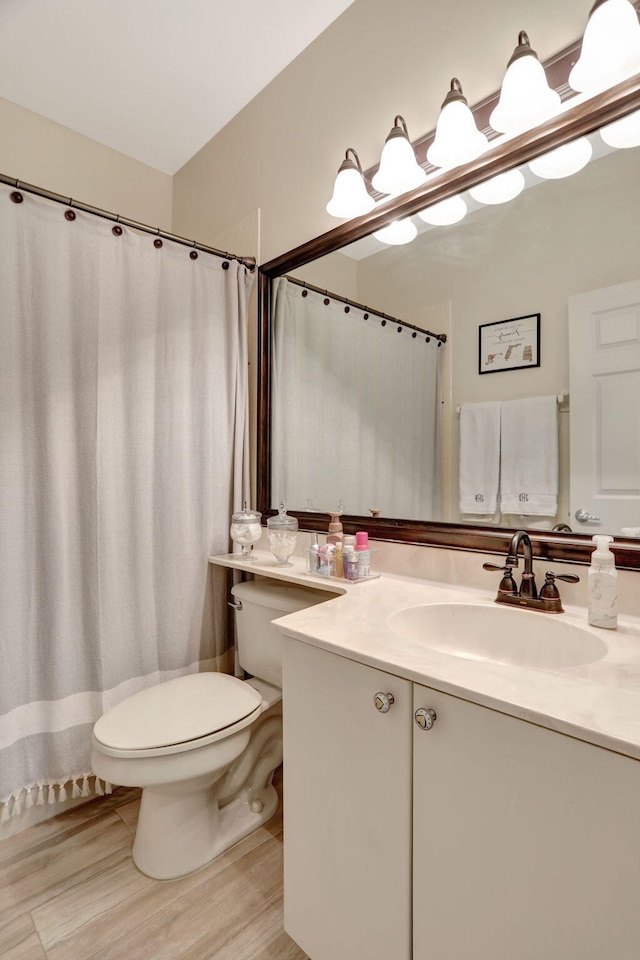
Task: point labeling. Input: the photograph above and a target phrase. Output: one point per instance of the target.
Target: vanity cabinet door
(526, 841)
(347, 808)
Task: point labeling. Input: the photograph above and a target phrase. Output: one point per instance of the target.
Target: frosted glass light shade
(610, 47)
(398, 232)
(499, 189)
(457, 138)
(399, 170)
(624, 132)
(526, 99)
(350, 195)
(445, 212)
(564, 161)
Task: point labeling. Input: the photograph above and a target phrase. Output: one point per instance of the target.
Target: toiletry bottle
(348, 540)
(603, 585)
(363, 553)
(352, 562)
(335, 534)
(338, 556)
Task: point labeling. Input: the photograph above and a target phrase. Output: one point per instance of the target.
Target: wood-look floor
(69, 891)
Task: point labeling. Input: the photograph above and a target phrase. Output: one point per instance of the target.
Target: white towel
(529, 467)
(479, 457)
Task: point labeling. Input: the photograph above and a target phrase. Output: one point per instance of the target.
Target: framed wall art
(509, 344)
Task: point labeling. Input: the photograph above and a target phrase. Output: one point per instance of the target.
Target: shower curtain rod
(440, 337)
(248, 262)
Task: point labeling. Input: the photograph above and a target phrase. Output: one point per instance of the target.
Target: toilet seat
(181, 714)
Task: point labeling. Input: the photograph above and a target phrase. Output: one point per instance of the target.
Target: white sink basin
(499, 634)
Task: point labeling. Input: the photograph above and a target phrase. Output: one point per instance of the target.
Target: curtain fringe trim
(52, 791)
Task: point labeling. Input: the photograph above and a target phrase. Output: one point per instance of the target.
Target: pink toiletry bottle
(363, 553)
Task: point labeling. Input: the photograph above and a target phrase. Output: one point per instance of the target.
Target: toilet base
(178, 834)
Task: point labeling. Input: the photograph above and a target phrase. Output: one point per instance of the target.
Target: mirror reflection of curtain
(355, 410)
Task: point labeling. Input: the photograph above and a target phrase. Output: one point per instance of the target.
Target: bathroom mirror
(410, 282)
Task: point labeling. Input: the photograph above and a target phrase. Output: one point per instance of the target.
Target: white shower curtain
(123, 451)
(355, 410)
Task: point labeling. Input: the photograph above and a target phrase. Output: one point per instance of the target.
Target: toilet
(204, 747)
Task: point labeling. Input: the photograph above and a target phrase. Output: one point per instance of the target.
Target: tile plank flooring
(69, 891)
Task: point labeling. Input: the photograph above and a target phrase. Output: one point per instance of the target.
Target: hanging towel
(479, 457)
(529, 467)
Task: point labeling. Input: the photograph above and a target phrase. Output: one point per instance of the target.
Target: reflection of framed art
(509, 344)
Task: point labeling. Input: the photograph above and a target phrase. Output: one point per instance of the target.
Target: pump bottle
(603, 585)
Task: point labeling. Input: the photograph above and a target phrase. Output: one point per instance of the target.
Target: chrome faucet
(527, 596)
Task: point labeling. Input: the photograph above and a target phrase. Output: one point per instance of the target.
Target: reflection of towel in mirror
(529, 467)
(479, 457)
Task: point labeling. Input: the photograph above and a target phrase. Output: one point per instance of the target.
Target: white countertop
(597, 702)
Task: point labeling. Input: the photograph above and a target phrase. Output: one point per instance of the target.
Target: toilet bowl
(204, 747)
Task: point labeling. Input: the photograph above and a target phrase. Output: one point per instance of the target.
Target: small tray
(323, 567)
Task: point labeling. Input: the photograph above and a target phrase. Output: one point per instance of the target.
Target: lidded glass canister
(246, 530)
(283, 536)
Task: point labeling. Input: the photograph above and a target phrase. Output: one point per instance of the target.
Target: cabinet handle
(425, 718)
(383, 701)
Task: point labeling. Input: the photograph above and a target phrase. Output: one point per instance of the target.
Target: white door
(604, 372)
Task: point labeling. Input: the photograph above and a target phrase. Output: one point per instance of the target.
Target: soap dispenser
(335, 534)
(603, 585)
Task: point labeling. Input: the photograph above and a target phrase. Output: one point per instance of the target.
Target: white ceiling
(154, 79)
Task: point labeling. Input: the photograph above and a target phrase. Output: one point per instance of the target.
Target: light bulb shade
(624, 132)
(499, 189)
(526, 99)
(457, 138)
(564, 161)
(398, 232)
(350, 196)
(399, 170)
(444, 213)
(610, 47)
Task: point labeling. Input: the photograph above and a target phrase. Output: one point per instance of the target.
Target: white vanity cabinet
(484, 837)
(347, 808)
(526, 842)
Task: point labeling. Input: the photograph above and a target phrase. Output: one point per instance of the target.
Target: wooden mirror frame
(577, 121)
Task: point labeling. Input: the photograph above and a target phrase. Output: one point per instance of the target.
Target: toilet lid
(177, 711)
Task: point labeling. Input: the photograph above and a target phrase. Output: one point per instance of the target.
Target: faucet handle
(549, 590)
(550, 576)
(507, 584)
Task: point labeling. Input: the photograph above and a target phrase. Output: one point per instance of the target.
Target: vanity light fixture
(350, 195)
(624, 132)
(610, 47)
(499, 189)
(399, 169)
(457, 139)
(564, 161)
(445, 212)
(398, 232)
(526, 99)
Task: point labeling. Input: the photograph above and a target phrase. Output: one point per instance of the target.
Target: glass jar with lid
(283, 536)
(246, 530)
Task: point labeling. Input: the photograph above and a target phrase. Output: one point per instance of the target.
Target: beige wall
(49, 155)
(281, 153)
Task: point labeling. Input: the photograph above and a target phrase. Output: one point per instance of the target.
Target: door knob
(425, 718)
(383, 701)
(583, 516)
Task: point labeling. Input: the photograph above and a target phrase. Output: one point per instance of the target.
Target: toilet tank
(260, 644)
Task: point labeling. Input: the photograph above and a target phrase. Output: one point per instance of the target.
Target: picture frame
(512, 344)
